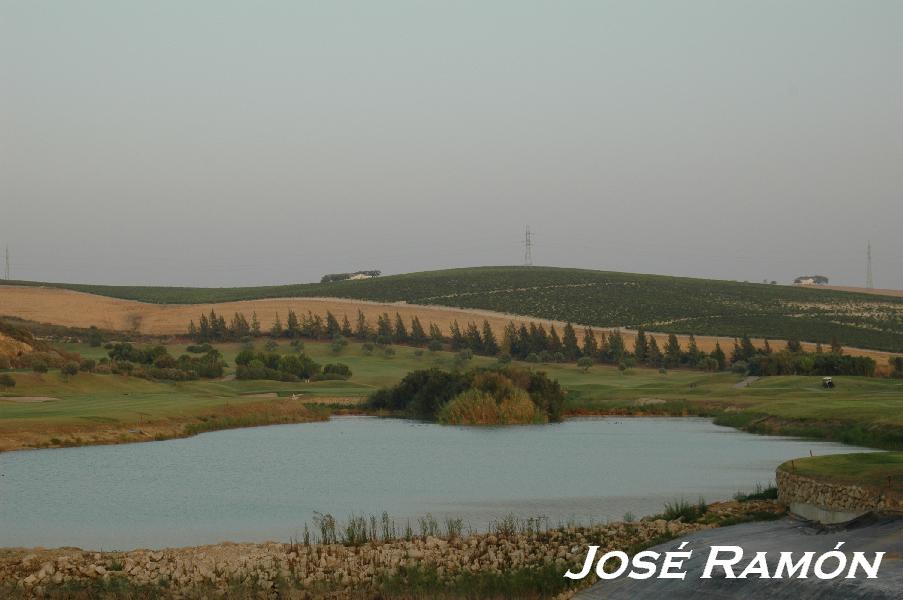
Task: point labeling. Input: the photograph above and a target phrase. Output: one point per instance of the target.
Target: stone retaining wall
(824, 498)
(337, 570)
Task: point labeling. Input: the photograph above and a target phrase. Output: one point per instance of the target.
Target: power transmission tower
(6, 273)
(528, 248)
(869, 280)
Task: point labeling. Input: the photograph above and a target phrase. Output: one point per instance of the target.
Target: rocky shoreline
(307, 571)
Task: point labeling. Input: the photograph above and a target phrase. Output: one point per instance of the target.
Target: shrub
(585, 362)
(336, 371)
(69, 369)
(7, 381)
(740, 367)
(199, 348)
(39, 366)
(88, 365)
(896, 365)
(681, 509)
(4, 362)
(472, 407)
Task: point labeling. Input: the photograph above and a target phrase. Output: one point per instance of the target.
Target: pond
(264, 483)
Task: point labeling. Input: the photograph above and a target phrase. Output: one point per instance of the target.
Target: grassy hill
(600, 298)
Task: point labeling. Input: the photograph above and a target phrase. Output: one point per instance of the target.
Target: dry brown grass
(862, 290)
(78, 309)
(18, 435)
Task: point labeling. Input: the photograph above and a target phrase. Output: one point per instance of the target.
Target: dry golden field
(78, 309)
(862, 290)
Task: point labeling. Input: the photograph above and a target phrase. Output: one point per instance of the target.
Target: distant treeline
(533, 343)
(503, 395)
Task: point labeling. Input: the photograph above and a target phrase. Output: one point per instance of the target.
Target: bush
(88, 365)
(896, 365)
(740, 367)
(7, 381)
(337, 370)
(39, 366)
(424, 393)
(4, 362)
(69, 369)
(585, 363)
(199, 348)
(681, 509)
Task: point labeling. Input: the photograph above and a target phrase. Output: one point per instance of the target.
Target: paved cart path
(787, 535)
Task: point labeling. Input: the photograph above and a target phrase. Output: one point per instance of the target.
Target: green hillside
(601, 298)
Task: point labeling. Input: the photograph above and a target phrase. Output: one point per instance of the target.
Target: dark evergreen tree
(653, 353)
(490, 345)
(384, 328)
(472, 338)
(673, 353)
(539, 340)
(255, 324)
(590, 346)
(694, 355)
(401, 332)
(523, 342)
(276, 329)
(555, 345)
(435, 333)
(747, 348)
(737, 352)
(346, 327)
(641, 345)
(292, 325)
(457, 338)
(616, 347)
(204, 329)
(509, 339)
(719, 357)
(361, 328)
(418, 335)
(333, 328)
(317, 327)
(569, 343)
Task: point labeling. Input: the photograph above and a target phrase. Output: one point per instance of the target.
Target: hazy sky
(225, 143)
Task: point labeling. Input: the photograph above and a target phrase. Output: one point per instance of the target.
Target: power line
(528, 248)
(869, 280)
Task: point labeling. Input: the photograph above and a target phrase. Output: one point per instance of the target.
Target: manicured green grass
(875, 469)
(87, 398)
(600, 298)
(863, 411)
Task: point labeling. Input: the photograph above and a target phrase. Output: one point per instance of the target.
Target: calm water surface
(265, 483)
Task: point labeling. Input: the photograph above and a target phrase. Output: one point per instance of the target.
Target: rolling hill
(597, 298)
